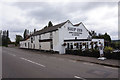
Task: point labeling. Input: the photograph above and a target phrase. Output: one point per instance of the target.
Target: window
(71, 46)
(34, 46)
(68, 46)
(51, 35)
(77, 45)
(51, 45)
(39, 46)
(39, 37)
(25, 44)
(87, 45)
(31, 39)
(80, 45)
(75, 38)
(28, 44)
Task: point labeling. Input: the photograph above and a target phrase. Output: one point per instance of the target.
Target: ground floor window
(68, 46)
(34, 46)
(71, 46)
(51, 45)
(39, 46)
(80, 45)
(87, 45)
(77, 45)
(28, 44)
(25, 44)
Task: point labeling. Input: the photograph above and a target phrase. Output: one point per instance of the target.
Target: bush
(108, 49)
(114, 55)
(87, 52)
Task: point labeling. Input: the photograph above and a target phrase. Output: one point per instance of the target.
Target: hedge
(94, 53)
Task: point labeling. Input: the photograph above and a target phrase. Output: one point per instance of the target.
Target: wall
(65, 35)
(56, 40)
(45, 45)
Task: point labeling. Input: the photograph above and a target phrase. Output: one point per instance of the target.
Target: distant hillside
(115, 41)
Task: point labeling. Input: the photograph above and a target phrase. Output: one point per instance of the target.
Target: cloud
(99, 16)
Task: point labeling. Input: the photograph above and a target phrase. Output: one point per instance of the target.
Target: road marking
(12, 54)
(110, 67)
(80, 77)
(32, 62)
(88, 63)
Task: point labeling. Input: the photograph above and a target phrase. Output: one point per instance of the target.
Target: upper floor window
(39, 37)
(51, 36)
(31, 39)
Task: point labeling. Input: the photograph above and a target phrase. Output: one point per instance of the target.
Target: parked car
(116, 50)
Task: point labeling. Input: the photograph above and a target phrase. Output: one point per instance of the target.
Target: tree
(18, 39)
(25, 33)
(50, 24)
(93, 34)
(34, 30)
(5, 38)
(107, 37)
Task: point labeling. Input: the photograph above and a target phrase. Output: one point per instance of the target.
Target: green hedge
(114, 55)
(93, 53)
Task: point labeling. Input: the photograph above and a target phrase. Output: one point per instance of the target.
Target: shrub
(108, 49)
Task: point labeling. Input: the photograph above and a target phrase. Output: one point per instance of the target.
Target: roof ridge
(48, 29)
(77, 24)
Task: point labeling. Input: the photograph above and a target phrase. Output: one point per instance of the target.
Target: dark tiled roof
(49, 29)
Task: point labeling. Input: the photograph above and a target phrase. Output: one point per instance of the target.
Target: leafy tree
(34, 30)
(25, 33)
(50, 24)
(107, 37)
(93, 33)
(5, 38)
(18, 39)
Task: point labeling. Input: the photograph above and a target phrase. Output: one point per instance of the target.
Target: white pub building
(60, 37)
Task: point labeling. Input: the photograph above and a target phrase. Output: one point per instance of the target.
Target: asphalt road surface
(21, 63)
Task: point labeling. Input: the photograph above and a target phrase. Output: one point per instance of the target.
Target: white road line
(80, 77)
(32, 62)
(12, 54)
(88, 63)
(110, 67)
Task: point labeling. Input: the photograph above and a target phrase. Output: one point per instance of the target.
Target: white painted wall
(36, 42)
(56, 41)
(65, 35)
(45, 36)
(45, 45)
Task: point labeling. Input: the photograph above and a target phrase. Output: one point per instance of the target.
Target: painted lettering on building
(75, 31)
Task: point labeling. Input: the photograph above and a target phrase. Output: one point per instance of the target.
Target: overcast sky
(99, 16)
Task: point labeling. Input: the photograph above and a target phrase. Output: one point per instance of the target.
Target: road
(21, 63)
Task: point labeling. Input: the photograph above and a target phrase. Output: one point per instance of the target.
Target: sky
(18, 16)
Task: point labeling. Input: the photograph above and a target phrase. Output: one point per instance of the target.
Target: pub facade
(60, 37)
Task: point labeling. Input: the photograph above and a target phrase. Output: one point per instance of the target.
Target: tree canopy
(105, 36)
(18, 39)
(50, 24)
(5, 38)
(25, 34)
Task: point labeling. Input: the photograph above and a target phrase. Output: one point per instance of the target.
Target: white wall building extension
(60, 37)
